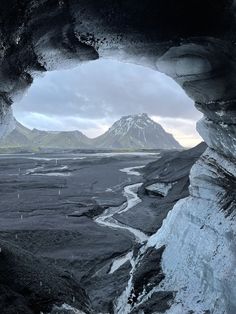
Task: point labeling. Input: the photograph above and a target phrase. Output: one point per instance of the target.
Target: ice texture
(161, 188)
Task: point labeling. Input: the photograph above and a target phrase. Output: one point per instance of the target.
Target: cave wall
(191, 41)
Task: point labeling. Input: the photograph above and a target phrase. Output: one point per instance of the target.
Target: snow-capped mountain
(130, 132)
(137, 131)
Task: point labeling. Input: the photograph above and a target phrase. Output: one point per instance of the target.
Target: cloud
(91, 128)
(93, 95)
(184, 130)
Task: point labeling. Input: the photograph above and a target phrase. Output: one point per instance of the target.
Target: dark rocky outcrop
(30, 285)
(163, 170)
(148, 273)
(146, 276)
(160, 302)
(168, 175)
(105, 287)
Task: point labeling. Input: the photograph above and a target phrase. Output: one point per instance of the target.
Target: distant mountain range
(130, 132)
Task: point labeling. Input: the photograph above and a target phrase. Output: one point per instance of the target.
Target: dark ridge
(31, 284)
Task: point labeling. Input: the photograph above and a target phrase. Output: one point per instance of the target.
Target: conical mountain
(137, 132)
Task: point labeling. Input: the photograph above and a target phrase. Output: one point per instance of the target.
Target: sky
(94, 95)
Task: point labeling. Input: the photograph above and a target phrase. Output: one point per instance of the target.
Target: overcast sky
(94, 95)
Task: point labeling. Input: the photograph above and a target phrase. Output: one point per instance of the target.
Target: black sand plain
(53, 250)
(48, 202)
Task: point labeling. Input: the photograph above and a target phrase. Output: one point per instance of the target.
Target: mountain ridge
(129, 132)
(139, 131)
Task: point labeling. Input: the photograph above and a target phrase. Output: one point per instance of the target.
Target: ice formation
(192, 42)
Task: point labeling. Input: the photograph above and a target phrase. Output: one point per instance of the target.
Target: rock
(170, 170)
(148, 273)
(89, 212)
(159, 302)
(105, 288)
(172, 166)
(30, 285)
(12, 302)
(159, 188)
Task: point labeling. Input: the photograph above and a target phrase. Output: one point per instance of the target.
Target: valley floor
(87, 215)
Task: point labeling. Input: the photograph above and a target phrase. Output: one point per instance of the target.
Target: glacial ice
(65, 307)
(183, 65)
(161, 188)
(7, 121)
(198, 238)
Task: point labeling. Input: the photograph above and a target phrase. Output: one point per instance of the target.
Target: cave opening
(91, 97)
(160, 228)
(58, 196)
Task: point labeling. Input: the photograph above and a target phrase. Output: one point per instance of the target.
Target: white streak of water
(118, 262)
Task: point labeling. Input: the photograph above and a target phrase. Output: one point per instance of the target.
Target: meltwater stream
(107, 219)
(130, 192)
